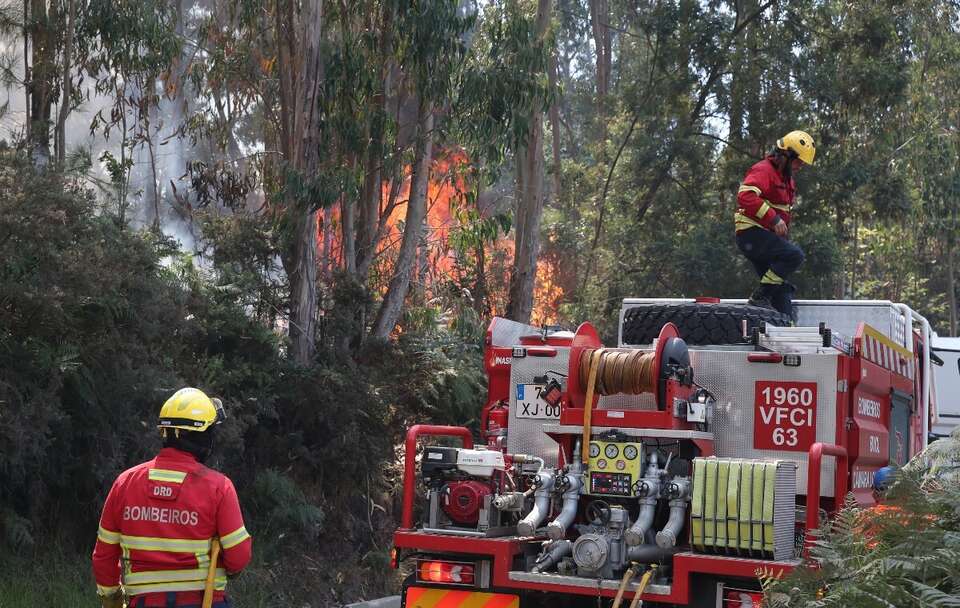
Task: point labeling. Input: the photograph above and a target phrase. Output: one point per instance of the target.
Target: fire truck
(673, 469)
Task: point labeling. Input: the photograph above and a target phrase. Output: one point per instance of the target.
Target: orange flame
(437, 266)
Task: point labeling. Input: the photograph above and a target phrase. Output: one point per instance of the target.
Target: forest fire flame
(439, 270)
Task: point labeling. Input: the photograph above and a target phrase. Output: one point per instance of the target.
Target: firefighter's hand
(112, 601)
(780, 228)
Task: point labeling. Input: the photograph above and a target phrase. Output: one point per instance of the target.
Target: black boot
(761, 296)
(782, 299)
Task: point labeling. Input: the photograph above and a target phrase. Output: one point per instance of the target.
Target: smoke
(157, 194)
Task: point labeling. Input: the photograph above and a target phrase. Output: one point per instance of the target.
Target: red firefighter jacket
(157, 526)
(764, 196)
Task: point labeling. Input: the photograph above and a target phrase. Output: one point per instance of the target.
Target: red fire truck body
(697, 465)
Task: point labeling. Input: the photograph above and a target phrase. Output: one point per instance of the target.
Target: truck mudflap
(428, 597)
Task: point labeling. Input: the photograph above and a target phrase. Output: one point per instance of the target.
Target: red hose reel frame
(573, 408)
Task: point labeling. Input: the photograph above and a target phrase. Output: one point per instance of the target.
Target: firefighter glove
(114, 600)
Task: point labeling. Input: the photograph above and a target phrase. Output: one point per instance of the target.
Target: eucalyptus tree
(930, 153)
(854, 72)
(432, 44)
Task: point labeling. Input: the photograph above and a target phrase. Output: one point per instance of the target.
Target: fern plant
(904, 553)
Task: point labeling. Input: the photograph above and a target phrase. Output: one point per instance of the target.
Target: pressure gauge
(630, 452)
(611, 450)
(601, 464)
(621, 465)
(594, 450)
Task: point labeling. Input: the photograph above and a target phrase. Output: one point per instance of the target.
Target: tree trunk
(529, 209)
(65, 83)
(951, 287)
(555, 125)
(599, 20)
(372, 193)
(303, 289)
(301, 75)
(529, 203)
(43, 73)
(348, 234)
(389, 312)
(480, 287)
(26, 71)
(325, 258)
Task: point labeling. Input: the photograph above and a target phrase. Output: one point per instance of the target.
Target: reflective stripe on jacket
(764, 196)
(157, 527)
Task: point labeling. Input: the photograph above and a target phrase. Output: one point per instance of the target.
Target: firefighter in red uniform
(762, 219)
(161, 517)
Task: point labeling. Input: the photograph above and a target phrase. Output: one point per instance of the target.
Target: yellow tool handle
(644, 581)
(588, 405)
(211, 574)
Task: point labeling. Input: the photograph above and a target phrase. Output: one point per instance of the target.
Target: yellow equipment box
(615, 466)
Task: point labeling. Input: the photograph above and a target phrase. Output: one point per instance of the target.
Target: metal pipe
(638, 531)
(650, 554)
(667, 537)
(650, 494)
(410, 464)
(554, 552)
(814, 459)
(541, 504)
(509, 501)
(678, 490)
(557, 529)
(927, 373)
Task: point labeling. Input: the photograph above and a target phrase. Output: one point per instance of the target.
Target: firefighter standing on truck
(161, 517)
(762, 220)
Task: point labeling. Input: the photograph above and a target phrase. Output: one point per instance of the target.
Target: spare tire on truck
(699, 323)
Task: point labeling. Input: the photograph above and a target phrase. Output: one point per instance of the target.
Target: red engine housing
(463, 499)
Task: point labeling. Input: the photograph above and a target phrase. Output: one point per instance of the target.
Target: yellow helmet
(191, 410)
(800, 143)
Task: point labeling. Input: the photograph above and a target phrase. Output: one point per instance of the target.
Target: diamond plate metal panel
(508, 333)
(732, 380)
(845, 317)
(524, 435)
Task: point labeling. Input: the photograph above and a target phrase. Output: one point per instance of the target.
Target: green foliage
(432, 44)
(48, 575)
(100, 324)
(904, 553)
(500, 83)
(282, 507)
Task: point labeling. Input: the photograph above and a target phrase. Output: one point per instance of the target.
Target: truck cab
(946, 417)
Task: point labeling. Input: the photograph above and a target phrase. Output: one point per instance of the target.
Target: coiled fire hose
(611, 372)
(628, 372)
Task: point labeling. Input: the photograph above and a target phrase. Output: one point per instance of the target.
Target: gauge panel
(614, 467)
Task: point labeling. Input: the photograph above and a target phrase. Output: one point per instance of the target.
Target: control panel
(614, 467)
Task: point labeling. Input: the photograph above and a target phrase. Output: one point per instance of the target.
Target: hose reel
(631, 371)
(627, 372)
(596, 371)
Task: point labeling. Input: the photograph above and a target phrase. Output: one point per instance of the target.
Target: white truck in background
(947, 416)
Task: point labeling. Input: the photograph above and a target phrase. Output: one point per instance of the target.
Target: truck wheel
(698, 323)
